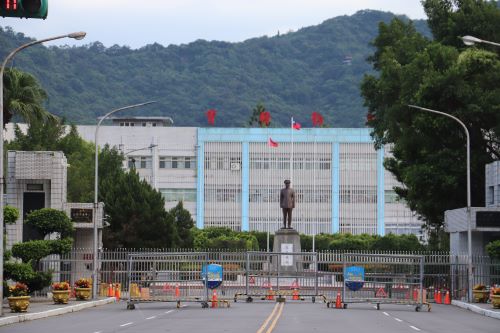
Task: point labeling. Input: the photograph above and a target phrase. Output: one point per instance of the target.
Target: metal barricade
(383, 279)
(278, 275)
(167, 277)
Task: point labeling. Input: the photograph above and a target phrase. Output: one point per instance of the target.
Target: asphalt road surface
(261, 318)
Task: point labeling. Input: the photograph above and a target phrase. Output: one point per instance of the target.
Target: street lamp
(471, 40)
(96, 189)
(75, 35)
(469, 231)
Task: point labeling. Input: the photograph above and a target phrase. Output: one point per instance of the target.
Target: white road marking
(126, 324)
(397, 319)
(98, 332)
(169, 311)
(415, 328)
(385, 313)
(152, 317)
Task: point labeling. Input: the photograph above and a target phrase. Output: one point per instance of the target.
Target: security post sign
(354, 277)
(212, 275)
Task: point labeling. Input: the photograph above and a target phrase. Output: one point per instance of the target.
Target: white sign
(286, 260)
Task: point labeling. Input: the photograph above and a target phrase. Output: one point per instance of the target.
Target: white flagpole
(291, 155)
(314, 194)
(268, 189)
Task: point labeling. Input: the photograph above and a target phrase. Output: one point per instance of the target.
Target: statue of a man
(287, 203)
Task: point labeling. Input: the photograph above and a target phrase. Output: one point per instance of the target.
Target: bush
(60, 246)
(32, 250)
(493, 249)
(10, 214)
(39, 281)
(18, 271)
(49, 220)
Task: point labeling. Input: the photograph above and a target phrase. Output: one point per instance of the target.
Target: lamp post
(469, 231)
(471, 40)
(75, 35)
(96, 189)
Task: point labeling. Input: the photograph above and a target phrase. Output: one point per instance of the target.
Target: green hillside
(291, 74)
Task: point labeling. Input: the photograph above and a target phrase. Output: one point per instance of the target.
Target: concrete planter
(480, 296)
(495, 301)
(19, 303)
(60, 296)
(83, 294)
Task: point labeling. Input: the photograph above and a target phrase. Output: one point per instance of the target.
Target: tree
(254, 117)
(23, 96)
(183, 224)
(46, 221)
(137, 216)
(428, 151)
(51, 136)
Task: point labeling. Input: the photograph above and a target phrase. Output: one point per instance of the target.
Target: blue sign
(212, 275)
(354, 277)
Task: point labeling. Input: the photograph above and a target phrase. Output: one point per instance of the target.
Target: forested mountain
(317, 68)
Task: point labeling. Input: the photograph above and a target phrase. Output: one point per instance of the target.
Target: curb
(477, 309)
(54, 312)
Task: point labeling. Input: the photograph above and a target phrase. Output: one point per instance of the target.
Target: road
(261, 318)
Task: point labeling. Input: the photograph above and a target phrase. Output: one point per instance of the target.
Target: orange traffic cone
(214, 299)
(177, 291)
(117, 292)
(439, 299)
(295, 295)
(270, 294)
(110, 290)
(447, 300)
(338, 302)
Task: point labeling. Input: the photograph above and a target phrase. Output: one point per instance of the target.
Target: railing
(442, 271)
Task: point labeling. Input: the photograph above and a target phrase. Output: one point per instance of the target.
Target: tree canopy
(428, 151)
(316, 68)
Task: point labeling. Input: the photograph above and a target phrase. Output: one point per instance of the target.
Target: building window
(139, 162)
(177, 162)
(179, 194)
(154, 124)
(491, 195)
(390, 196)
(143, 124)
(131, 163)
(143, 162)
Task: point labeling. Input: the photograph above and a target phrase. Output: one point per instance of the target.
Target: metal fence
(442, 271)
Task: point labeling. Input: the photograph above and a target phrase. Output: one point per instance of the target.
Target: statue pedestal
(286, 240)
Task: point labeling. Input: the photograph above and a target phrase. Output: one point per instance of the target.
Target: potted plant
(83, 289)
(480, 293)
(18, 297)
(495, 297)
(60, 292)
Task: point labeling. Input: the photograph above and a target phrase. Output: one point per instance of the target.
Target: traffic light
(24, 8)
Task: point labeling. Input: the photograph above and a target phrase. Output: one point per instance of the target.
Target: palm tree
(24, 96)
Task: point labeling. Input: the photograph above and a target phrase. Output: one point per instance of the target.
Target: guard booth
(38, 179)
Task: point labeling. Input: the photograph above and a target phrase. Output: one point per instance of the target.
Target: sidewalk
(484, 309)
(47, 308)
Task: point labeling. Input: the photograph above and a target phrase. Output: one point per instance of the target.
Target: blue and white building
(231, 177)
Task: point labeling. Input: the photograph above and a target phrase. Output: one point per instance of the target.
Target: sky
(136, 23)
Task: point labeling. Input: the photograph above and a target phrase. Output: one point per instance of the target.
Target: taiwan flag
(295, 125)
(272, 143)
